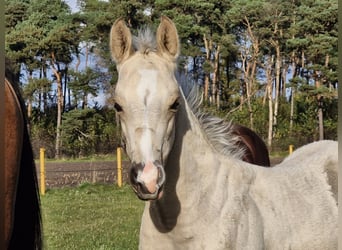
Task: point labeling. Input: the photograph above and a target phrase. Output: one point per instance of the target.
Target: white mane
(218, 131)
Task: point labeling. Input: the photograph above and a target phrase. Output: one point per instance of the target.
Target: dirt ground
(62, 174)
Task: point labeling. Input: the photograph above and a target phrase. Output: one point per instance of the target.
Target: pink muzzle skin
(147, 180)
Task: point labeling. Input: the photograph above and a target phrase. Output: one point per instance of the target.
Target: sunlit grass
(91, 217)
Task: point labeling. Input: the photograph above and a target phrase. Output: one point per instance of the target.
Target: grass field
(91, 217)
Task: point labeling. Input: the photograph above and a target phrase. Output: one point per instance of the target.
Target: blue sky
(73, 5)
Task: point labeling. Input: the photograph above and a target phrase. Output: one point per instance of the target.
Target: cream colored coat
(204, 199)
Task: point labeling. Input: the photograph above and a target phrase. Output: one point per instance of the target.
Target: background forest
(268, 64)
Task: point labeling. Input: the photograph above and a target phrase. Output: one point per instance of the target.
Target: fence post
(42, 171)
(119, 166)
(290, 149)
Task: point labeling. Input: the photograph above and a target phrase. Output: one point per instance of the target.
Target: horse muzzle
(147, 180)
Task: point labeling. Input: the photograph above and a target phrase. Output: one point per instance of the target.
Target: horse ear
(167, 38)
(120, 41)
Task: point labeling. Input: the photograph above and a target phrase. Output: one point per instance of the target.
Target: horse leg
(13, 147)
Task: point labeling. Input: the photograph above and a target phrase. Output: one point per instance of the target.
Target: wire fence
(70, 174)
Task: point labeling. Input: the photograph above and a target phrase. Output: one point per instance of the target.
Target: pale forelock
(145, 41)
(218, 131)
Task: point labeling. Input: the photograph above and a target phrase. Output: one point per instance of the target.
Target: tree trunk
(320, 120)
(270, 116)
(251, 69)
(294, 74)
(270, 101)
(216, 80)
(320, 105)
(292, 108)
(208, 48)
(284, 78)
(65, 88)
(85, 101)
(248, 70)
(277, 84)
(249, 88)
(208, 44)
(292, 93)
(250, 110)
(59, 106)
(75, 102)
(243, 79)
(206, 88)
(86, 56)
(30, 98)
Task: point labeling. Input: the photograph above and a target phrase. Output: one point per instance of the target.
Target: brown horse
(256, 151)
(22, 203)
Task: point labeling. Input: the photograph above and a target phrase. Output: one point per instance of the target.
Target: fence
(60, 174)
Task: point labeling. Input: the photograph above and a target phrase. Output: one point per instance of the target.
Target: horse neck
(191, 147)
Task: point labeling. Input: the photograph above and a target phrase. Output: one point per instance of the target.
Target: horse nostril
(134, 171)
(133, 174)
(143, 188)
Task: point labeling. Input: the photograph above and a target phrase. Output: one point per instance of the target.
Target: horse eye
(117, 107)
(174, 106)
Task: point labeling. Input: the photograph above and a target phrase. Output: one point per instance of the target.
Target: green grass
(91, 217)
(277, 154)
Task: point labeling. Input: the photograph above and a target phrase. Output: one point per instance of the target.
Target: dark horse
(22, 203)
(255, 149)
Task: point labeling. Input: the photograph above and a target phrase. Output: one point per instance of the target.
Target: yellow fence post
(42, 171)
(119, 166)
(290, 149)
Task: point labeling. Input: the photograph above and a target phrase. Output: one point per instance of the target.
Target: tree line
(268, 64)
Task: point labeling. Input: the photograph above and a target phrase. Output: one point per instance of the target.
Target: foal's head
(146, 100)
